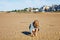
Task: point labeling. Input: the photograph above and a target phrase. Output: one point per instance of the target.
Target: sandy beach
(13, 25)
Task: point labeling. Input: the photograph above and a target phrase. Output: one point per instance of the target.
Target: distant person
(34, 28)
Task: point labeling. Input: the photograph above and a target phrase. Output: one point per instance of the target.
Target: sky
(6, 5)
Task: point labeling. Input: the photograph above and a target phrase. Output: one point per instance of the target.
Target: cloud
(20, 4)
(8, 5)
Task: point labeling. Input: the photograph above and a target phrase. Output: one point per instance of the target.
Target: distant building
(29, 9)
(50, 8)
(45, 9)
(33, 9)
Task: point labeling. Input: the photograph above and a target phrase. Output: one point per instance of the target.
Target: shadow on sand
(26, 33)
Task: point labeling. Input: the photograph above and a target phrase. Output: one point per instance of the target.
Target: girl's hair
(36, 23)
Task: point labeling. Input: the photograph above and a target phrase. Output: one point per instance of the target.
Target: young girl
(34, 28)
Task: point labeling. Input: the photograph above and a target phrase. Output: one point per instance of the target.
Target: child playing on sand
(34, 28)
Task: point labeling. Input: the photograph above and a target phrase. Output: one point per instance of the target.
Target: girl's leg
(33, 32)
(36, 31)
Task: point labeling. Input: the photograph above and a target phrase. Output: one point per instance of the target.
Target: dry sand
(13, 24)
